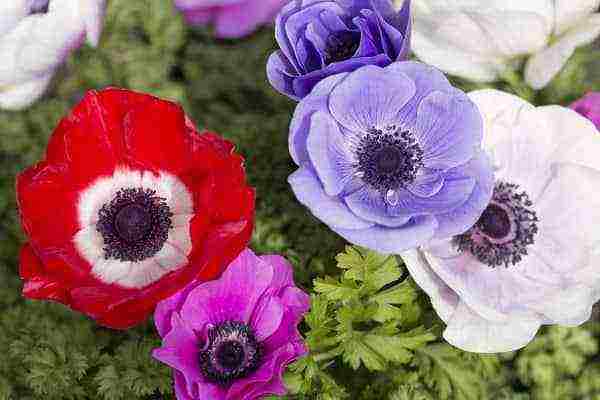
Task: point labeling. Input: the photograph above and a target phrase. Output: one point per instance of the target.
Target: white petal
(170, 258)
(450, 58)
(101, 192)
(573, 137)
(569, 13)
(177, 196)
(543, 66)
(19, 96)
(494, 293)
(93, 12)
(112, 271)
(512, 128)
(569, 213)
(11, 12)
(469, 331)
(443, 299)
(141, 274)
(89, 243)
(571, 306)
(480, 43)
(179, 235)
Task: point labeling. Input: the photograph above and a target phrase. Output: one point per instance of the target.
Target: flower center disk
(134, 225)
(232, 352)
(504, 231)
(341, 46)
(39, 7)
(388, 161)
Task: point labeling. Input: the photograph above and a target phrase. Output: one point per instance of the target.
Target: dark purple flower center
(134, 225)
(495, 222)
(388, 160)
(39, 7)
(341, 46)
(232, 352)
(504, 231)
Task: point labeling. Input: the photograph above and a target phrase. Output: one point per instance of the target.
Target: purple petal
(180, 351)
(280, 75)
(329, 209)
(426, 184)
(166, 308)
(368, 43)
(449, 129)
(283, 271)
(238, 20)
(329, 154)
(305, 83)
(300, 125)
(267, 380)
(231, 298)
(371, 97)
(454, 193)
(463, 218)
(426, 79)
(369, 204)
(180, 387)
(392, 240)
(291, 25)
(267, 317)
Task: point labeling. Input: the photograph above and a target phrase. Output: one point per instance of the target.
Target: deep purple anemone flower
(231, 339)
(320, 38)
(390, 157)
(231, 18)
(589, 107)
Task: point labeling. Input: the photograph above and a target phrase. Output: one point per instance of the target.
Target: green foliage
(560, 364)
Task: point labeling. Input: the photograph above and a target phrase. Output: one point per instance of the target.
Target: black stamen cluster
(232, 353)
(39, 7)
(388, 160)
(484, 241)
(134, 225)
(341, 46)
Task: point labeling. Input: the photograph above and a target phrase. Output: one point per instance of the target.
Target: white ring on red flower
(174, 253)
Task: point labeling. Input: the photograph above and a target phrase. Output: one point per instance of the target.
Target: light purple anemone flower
(231, 18)
(532, 258)
(320, 38)
(390, 158)
(230, 339)
(589, 107)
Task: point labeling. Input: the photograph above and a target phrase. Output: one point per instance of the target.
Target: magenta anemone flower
(230, 339)
(589, 107)
(230, 18)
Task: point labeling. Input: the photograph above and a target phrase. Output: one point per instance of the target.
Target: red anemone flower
(130, 205)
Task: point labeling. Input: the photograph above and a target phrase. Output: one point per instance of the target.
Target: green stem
(518, 85)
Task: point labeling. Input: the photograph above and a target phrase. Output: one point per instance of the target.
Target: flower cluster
(490, 201)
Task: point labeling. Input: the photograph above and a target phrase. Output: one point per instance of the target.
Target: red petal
(44, 198)
(36, 284)
(156, 135)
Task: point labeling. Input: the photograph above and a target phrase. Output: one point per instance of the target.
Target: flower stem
(517, 84)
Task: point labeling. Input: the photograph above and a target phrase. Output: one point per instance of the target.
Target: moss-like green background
(48, 352)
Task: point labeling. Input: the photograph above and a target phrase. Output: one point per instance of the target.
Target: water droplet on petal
(359, 174)
(392, 197)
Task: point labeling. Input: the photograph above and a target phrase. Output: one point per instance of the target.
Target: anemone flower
(130, 205)
(531, 259)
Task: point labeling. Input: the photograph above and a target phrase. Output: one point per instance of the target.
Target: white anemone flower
(36, 36)
(481, 39)
(533, 257)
